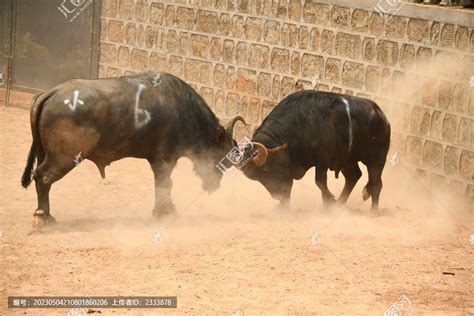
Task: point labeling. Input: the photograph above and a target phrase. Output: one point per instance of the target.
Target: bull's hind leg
(322, 183)
(48, 172)
(374, 186)
(162, 173)
(351, 174)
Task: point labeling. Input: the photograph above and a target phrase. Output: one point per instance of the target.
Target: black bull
(157, 117)
(323, 130)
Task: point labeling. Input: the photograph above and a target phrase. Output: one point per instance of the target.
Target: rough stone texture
(312, 65)
(109, 8)
(327, 42)
(157, 13)
(420, 120)
(141, 10)
(316, 13)
(228, 51)
(304, 38)
(246, 81)
(225, 25)
(253, 29)
(158, 62)
(295, 63)
(215, 49)
(272, 32)
(116, 31)
(445, 96)
(462, 38)
(407, 56)
(353, 75)
(219, 75)
(289, 35)
(315, 39)
(185, 18)
(108, 54)
(434, 33)
(139, 59)
(264, 85)
(451, 160)
(396, 27)
(259, 56)
(433, 154)
(238, 26)
(280, 60)
(295, 10)
(348, 45)
(450, 125)
(376, 24)
(333, 69)
(244, 56)
(123, 57)
(340, 16)
(360, 20)
(131, 34)
(466, 165)
(368, 49)
(387, 53)
(465, 135)
(241, 53)
(447, 35)
(418, 30)
(206, 21)
(127, 9)
(372, 79)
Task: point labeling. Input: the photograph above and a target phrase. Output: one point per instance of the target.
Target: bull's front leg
(162, 173)
(322, 183)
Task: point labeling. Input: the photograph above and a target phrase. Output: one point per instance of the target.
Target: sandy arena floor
(230, 252)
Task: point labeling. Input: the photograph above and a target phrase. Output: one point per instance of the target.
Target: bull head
(263, 152)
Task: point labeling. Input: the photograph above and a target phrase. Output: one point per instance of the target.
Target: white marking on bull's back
(75, 101)
(140, 112)
(157, 80)
(348, 111)
(78, 158)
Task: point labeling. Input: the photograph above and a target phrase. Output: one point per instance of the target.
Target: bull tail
(36, 148)
(27, 174)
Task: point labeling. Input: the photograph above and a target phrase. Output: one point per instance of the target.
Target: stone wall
(243, 56)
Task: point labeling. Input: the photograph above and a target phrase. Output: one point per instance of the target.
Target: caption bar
(92, 302)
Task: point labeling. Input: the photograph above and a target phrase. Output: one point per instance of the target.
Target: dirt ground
(231, 252)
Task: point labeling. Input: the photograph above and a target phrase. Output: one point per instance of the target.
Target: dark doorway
(48, 42)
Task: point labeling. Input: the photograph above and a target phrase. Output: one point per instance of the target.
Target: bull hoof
(164, 211)
(39, 220)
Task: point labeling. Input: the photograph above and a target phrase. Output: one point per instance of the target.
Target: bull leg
(322, 183)
(48, 172)
(163, 184)
(351, 174)
(374, 186)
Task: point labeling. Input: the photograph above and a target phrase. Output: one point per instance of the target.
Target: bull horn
(262, 154)
(231, 126)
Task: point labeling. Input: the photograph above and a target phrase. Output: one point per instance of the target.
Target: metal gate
(44, 43)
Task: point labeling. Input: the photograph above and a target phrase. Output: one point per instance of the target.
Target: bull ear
(221, 135)
(278, 150)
